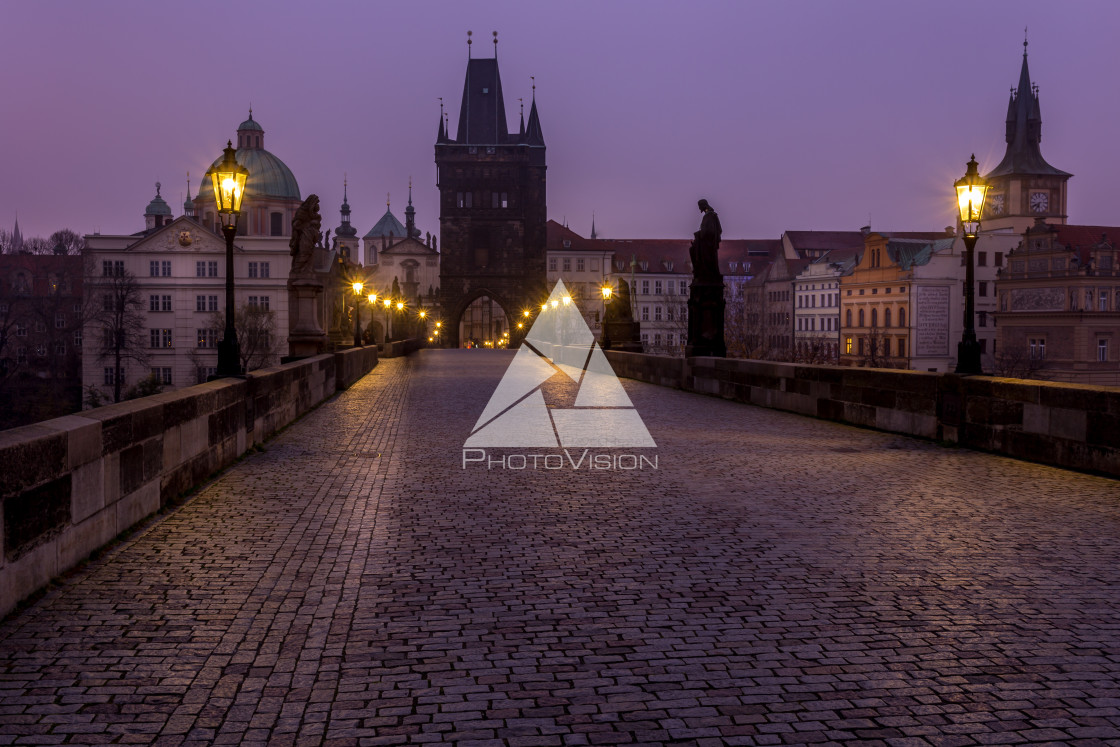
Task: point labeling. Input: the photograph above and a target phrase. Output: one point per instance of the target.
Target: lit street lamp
(228, 179)
(608, 292)
(358, 285)
(971, 191)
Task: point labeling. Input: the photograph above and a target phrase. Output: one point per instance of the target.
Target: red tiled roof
(1086, 236)
(656, 253)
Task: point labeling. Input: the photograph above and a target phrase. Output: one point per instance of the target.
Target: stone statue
(704, 251)
(706, 305)
(620, 308)
(305, 236)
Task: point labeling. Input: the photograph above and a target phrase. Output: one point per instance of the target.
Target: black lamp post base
(229, 358)
(968, 357)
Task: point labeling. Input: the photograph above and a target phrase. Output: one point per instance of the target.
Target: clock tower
(491, 206)
(1024, 186)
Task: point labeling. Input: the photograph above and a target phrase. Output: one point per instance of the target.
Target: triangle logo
(559, 344)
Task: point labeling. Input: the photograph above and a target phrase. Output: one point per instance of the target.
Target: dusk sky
(784, 115)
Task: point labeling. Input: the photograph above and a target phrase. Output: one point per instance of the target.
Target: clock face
(997, 204)
(1040, 202)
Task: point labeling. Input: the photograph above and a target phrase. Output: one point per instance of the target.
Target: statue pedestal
(305, 335)
(625, 336)
(705, 320)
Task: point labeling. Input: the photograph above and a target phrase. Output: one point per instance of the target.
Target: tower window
(277, 224)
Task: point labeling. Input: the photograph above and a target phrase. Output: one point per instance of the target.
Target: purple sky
(785, 115)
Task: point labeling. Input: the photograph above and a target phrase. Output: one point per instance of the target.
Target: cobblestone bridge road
(777, 580)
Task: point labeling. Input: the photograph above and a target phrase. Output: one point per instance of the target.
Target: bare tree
(68, 240)
(877, 350)
(1017, 363)
(121, 319)
(256, 335)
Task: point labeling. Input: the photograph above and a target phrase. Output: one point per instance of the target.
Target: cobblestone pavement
(777, 580)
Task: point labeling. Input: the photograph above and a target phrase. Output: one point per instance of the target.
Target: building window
(112, 268)
(657, 339)
(200, 303)
(165, 303)
(645, 313)
(1037, 347)
(60, 347)
(60, 321)
(886, 317)
(981, 259)
(108, 378)
(1102, 350)
(552, 264)
(861, 320)
(902, 347)
(153, 303)
(203, 373)
(212, 269)
(645, 338)
(153, 268)
(983, 316)
(874, 317)
(567, 264)
(579, 265)
(162, 374)
(159, 338)
(669, 312)
(684, 287)
(848, 318)
(848, 345)
(200, 269)
(902, 317)
(657, 313)
(861, 346)
(208, 338)
(165, 268)
(276, 224)
(265, 270)
(657, 287)
(645, 287)
(983, 288)
(253, 270)
(999, 259)
(1102, 301)
(78, 339)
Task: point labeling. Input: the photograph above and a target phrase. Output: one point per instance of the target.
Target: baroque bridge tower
(492, 204)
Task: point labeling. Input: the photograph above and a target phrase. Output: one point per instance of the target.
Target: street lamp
(228, 179)
(971, 191)
(608, 292)
(358, 285)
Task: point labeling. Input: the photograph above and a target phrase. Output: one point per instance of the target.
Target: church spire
(345, 230)
(410, 215)
(593, 234)
(533, 134)
(188, 204)
(1024, 130)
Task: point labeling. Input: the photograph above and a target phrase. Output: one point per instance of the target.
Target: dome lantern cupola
(250, 134)
(158, 212)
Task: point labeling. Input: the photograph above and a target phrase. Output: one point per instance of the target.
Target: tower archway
(481, 317)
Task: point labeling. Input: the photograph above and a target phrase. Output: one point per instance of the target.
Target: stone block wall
(68, 486)
(1066, 425)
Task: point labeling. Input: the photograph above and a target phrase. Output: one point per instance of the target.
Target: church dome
(268, 175)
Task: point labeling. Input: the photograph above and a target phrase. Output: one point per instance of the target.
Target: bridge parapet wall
(397, 348)
(70, 485)
(1066, 425)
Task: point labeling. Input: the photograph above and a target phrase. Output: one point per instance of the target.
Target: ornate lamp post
(388, 320)
(228, 179)
(608, 292)
(372, 298)
(971, 191)
(357, 286)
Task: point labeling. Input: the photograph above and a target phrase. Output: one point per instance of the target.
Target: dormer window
(567, 243)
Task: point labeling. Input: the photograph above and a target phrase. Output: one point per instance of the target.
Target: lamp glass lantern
(228, 179)
(972, 190)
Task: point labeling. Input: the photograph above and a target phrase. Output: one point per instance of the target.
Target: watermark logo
(559, 343)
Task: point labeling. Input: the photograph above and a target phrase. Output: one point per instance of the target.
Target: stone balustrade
(1066, 425)
(69, 486)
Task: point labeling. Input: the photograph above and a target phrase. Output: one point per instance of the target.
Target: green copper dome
(268, 177)
(250, 124)
(158, 206)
